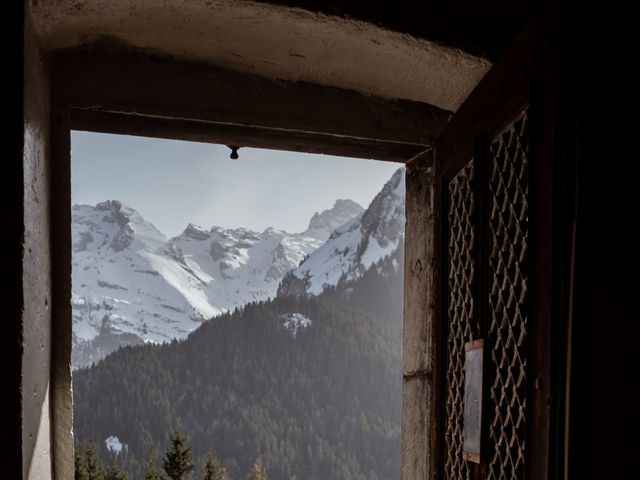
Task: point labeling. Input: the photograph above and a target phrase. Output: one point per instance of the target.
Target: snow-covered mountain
(323, 224)
(355, 246)
(131, 284)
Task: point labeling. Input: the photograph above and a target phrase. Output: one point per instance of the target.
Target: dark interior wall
(36, 263)
(13, 189)
(605, 349)
(604, 419)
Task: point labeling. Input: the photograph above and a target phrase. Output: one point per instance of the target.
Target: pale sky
(172, 183)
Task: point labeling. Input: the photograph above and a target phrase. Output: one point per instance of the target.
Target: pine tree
(213, 469)
(93, 466)
(80, 464)
(114, 473)
(258, 472)
(151, 473)
(178, 459)
(150, 470)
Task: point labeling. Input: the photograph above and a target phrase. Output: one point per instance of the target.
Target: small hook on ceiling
(234, 152)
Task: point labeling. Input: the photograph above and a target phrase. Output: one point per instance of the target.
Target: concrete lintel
(123, 82)
(275, 41)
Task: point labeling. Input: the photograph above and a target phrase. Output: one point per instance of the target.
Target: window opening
(208, 338)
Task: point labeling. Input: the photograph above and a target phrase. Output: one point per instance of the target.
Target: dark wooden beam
(132, 89)
(491, 105)
(245, 136)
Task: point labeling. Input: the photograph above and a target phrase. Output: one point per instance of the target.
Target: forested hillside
(310, 385)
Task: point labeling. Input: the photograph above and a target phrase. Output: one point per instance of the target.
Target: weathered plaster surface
(270, 40)
(36, 283)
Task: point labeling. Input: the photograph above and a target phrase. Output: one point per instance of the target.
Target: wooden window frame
(126, 92)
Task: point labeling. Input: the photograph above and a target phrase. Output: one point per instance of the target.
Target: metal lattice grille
(461, 324)
(507, 298)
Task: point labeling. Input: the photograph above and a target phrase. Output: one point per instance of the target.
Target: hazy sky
(171, 183)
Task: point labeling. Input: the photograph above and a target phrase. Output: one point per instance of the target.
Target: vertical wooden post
(418, 412)
(61, 334)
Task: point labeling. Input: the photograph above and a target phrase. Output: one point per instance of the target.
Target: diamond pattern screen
(461, 321)
(505, 328)
(509, 220)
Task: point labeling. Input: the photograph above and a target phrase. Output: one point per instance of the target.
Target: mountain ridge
(131, 284)
(352, 248)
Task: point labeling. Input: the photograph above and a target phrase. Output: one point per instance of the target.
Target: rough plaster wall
(270, 40)
(36, 364)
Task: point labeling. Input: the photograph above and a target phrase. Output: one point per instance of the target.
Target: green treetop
(178, 459)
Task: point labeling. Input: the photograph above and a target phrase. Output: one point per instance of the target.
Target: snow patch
(375, 252)
(183, 282)
(294, 322)
(114, 445)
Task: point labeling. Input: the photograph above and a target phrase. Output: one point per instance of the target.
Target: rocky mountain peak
(355, 246)
(113, 225)
(195, 232)
(384, 219)
(322, 224)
